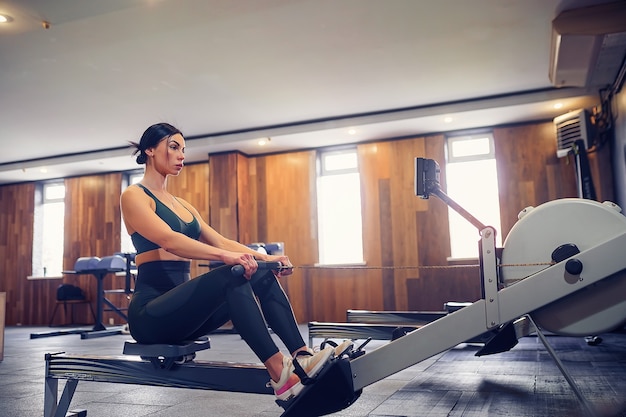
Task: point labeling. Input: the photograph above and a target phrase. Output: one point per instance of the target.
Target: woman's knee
(264, 283)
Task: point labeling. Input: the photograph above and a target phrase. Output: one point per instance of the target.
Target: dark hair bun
(151, 138)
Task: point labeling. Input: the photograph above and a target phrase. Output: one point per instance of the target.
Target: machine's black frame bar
(216, 376)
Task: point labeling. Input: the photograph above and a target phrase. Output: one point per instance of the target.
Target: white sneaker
(343, 348)
(289, 385)
(339, 349)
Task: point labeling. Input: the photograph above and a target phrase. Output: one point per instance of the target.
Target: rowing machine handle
(238, 270)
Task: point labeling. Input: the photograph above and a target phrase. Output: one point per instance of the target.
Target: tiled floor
(521, 382)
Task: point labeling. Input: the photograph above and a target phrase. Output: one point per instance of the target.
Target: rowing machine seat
(165, 355)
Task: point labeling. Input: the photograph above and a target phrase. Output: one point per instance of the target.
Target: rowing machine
(562, 270)
(578, 242)
(564, 273)
(170, 365)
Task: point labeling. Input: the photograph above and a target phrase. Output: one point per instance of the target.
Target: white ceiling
(228, 72)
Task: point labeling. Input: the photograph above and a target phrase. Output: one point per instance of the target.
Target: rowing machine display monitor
(427, 183)
(426, 177)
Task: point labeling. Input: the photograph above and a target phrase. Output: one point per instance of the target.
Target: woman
(168, 307)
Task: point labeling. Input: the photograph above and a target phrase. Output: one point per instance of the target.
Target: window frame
(127, 181)
(41, 199)
(451, 139)
(324, 171)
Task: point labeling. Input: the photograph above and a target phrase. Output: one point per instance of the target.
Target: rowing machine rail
(601, 261)
(155, 365)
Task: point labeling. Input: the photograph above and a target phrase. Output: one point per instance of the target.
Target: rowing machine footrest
(165, 355)
(332, 391)
(502, 341)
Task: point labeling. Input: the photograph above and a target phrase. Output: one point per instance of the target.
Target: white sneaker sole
(297, 388)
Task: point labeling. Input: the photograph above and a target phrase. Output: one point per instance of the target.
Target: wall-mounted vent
(588, 45)
(570, 127)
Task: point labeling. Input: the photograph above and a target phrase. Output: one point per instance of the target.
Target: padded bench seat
(165, 355)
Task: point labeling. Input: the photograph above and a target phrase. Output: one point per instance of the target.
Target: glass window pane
(473, 184)
(135, 178)
(126, 244)
(470, 147)
(54, 192)
(53, 231)
(340, 161)
(340, 227)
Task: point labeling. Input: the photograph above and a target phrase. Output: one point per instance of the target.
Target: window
(126, 244)
(472, 182)
(339, 207)
(49, 229)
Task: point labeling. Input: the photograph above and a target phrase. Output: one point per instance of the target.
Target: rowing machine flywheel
(552, 232)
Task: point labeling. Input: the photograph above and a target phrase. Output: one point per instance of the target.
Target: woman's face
(169, 154)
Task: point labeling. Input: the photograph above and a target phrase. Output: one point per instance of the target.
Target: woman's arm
(139, 216)
(211, 237)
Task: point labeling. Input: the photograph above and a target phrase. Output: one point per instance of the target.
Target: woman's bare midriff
(157, 255)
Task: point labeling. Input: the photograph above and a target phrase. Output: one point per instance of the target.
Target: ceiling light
(264, 141)
(448, 119)
(558, 105)
(352, 131)
(4, 18)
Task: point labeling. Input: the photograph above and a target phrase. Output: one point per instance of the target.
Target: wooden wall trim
(223, 189)
(3, 304)
(17, 206)
(92, 228)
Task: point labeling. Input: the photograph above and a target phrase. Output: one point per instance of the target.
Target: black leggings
(193, 308)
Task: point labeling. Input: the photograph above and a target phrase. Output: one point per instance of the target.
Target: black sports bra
(191, 229)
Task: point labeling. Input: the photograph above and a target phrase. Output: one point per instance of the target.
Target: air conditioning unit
(588, 45)
(570, 127)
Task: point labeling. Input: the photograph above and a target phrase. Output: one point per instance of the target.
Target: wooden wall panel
(223, 194)
(405, 205)
(17, 204)
(529, 172)
(249, 204)
(440, 280)
(3, 302)
(92, 228)
(286, 185)
(437, 286)
(274, 201)
(378, 285)
(272, 198)
(601, 166)
(402, 230)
